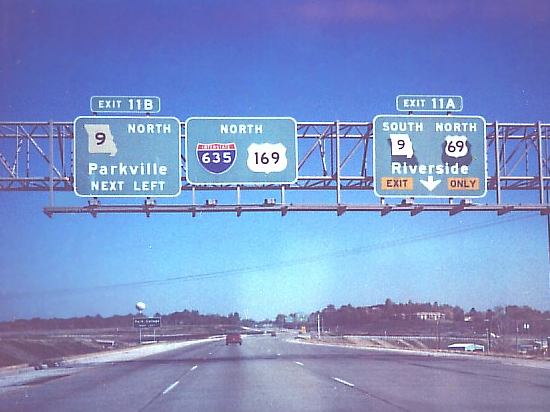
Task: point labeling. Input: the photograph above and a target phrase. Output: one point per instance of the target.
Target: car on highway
(233, 337)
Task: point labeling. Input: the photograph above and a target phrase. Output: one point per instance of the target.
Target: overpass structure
(335, 174)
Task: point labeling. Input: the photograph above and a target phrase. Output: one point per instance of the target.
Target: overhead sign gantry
(439, 157)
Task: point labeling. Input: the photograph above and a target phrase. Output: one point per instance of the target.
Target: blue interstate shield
(216, 158)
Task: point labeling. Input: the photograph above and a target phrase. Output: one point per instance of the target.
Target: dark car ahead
(233, 338)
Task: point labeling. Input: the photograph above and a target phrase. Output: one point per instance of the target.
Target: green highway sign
(429, 156)
(428, 103)
(127, 156)
(147, 322)
(241, 150)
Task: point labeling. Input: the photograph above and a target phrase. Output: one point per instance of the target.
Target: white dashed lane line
(176, 383)
(168, 389)
(343, 382)
(299, 363)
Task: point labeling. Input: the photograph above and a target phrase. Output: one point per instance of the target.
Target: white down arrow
(430, 184)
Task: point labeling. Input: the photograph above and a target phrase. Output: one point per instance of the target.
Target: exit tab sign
(428, 103)
(125, 104)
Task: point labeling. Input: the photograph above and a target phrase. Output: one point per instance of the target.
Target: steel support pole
(497, 164)
(28, 158)
(547, 203)
(543, 194)
(17, 151)
(541, 166)
(338, 188)
(548, 244)
(50, 137)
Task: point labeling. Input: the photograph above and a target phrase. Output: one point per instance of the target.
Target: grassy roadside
(46, 348)
(411, 345)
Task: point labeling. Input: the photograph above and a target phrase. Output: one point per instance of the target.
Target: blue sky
(314, 61)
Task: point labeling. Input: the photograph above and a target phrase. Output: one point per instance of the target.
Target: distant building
(430, 315)
(466, 347)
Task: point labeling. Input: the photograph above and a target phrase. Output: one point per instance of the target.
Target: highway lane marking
(343, 382)
(194, 367)
(168, 389)
(299, 363)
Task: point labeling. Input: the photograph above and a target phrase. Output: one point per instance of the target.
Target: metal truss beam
(412, 209)
(335, 158)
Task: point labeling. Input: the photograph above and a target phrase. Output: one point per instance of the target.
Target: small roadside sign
(147, 322)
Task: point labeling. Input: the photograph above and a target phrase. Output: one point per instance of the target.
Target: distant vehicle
(273, 333)
(529, 349)
(234, 337)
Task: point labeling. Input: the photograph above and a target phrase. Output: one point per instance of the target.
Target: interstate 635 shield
(216, 158)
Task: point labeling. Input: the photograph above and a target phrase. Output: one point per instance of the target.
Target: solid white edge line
(299, 363)
(194, 367)
(343, 382)
(168, 389)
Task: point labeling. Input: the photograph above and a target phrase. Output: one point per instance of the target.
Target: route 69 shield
(216, 158)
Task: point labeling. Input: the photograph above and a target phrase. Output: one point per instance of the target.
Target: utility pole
(318, 325)
(517, 332)
(438, 336)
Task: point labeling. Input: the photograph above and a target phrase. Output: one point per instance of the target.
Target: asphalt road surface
(270, 374)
